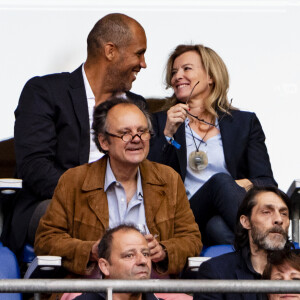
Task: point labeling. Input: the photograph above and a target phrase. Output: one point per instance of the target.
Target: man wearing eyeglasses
(120, 187)
(54, 116)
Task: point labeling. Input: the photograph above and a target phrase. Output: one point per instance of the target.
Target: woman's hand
(175, 117)
(245, 183)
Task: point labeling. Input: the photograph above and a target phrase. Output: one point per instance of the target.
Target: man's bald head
(115, 28)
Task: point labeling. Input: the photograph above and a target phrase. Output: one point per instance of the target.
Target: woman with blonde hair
(219, 150)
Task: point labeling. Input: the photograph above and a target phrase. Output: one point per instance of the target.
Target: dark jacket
(235, 265)
(52, 134)
(243, 141)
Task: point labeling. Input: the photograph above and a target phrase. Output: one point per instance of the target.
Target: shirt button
(117, 184)
(122, 199)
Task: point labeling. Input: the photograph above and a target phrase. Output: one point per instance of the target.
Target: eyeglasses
(128, 137)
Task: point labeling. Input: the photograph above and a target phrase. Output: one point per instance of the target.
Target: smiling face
(130, 60)
(269, 222)
(121, 119)
(284, 272)
(129, 258)
(186, 72)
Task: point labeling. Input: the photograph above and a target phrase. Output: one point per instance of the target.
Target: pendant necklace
(198, 159)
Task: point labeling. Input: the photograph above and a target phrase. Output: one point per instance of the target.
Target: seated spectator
(283, 265)
(262, 226)
(123, 254)
(120, 187)
(218, 150)
(54, 117)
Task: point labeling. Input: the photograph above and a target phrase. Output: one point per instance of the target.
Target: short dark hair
(241, 234)
(281, 257)
(113, 28)
(104, 247)
(100, 116)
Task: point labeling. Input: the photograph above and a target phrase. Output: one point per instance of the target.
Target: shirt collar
(246, 254)
(111, 179)
(88, 89)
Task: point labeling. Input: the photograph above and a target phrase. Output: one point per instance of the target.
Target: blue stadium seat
(216, 250)
(9, 270)
(28, 254)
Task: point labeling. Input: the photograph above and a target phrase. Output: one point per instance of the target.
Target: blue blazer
(243, 141)
(52, 134)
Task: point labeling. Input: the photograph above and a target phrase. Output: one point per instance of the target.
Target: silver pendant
(198, 160)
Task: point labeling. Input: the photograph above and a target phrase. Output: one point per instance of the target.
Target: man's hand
(94, 252)
(157, 252)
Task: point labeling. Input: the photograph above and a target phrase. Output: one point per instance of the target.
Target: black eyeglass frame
(201, 120)
(132, 136)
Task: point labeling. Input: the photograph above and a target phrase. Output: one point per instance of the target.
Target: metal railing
(152, 285)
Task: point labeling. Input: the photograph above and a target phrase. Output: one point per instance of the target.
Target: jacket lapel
(94, 186)
(79, 100)
(153, 191)
(227, 137)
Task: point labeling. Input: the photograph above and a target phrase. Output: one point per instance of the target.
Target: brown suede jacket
(78, 216)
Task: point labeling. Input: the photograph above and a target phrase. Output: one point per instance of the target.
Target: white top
(95, 154)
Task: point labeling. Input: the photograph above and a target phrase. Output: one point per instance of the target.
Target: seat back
(216, 250)
(9, 270)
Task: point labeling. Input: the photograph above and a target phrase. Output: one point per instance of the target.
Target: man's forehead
(121, 115)
(128, 240)
(138, 37)
(269, 199)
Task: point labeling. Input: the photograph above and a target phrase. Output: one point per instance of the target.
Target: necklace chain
(201, 140)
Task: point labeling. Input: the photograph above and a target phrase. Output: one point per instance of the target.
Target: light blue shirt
(213, 148)
(119, 211)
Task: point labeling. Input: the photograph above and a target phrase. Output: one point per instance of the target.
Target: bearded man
(54, 117)
(262, 226)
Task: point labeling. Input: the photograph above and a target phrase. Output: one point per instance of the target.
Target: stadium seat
(9, 270)
(216, 250)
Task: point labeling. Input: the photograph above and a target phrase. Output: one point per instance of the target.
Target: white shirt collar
(88, 89)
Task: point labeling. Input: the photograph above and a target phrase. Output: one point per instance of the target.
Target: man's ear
(104, 266)
(103, 142)
(110, 51)
(245, 222)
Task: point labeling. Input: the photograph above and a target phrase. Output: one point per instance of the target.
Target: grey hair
(100, 116)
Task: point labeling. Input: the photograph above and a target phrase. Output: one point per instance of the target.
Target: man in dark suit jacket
(262, 226)
(53, 118)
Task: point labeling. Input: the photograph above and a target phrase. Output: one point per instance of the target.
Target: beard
(118, 76)
(264, 240)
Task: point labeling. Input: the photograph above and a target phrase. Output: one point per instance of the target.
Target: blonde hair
(215, 68)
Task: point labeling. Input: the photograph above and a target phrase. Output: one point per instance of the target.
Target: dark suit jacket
(243, 141)
(235, 265)
(52, 134)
